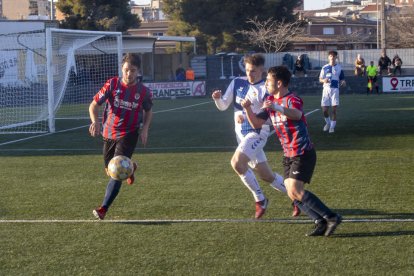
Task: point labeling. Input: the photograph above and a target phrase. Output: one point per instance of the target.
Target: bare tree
(400, 31)
(270, 35)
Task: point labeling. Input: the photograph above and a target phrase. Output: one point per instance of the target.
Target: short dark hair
(281, 73)
(133, 59)
(334, 53)
(254, 59)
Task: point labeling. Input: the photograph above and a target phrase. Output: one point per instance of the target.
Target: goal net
(50, 76)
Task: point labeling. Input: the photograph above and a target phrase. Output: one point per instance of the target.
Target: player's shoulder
(325, 67)
(242, 79)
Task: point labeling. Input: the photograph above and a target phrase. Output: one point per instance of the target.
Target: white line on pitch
(160, 221)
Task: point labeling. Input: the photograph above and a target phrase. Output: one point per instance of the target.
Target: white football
(120, 167)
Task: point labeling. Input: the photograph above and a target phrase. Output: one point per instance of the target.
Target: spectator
(384, 63)
(397, 62)
(299, 66)
(180, 73)
(359, 66)
(189, 74)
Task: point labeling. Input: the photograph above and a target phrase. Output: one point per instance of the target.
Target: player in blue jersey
(331, 77)
(249, 154)
(285, 110)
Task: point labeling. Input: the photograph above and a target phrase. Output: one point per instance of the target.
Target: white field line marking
(140, 149)
(155, 221)
(70, 129)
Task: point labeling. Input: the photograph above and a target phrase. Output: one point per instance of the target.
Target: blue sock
(112, 191)
(314, 203)
(308, 211)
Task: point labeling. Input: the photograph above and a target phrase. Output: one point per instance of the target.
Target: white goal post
(53, 74)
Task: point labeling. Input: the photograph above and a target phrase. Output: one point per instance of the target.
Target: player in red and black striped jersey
(128, 106)
(286, 113)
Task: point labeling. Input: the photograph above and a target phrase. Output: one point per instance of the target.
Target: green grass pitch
(189, 214)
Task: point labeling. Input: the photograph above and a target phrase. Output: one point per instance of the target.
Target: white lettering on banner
(8, 67)
(398, 84)
(177, 89)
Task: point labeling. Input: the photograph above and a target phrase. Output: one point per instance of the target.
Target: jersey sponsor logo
(295, 172)
(137, 96)
(239, 99)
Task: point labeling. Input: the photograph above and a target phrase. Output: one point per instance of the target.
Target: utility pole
(383, 26)
(378, 28)
(52, 11)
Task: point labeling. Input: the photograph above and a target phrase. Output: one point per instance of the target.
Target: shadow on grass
(375, 234)
(374, 213)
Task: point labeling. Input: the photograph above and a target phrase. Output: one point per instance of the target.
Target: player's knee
(238, 166)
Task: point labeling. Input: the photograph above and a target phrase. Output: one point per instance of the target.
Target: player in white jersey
(331, 76)
(249, 153)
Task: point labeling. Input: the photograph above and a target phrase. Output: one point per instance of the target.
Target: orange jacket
(189, 74)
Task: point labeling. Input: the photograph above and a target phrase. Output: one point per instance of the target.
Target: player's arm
(95, 127)
(322, 78)
(254, 121)
(147, 118)
(223, 101)
(291, 113)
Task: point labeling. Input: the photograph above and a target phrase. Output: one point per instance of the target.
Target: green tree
(218, 22)
(97, 15)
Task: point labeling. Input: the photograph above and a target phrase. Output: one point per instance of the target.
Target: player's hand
(267, 104)
(343, 83)
(94, 129)
(240, 118)
(144, 136)
(216, 94)
(246, 103)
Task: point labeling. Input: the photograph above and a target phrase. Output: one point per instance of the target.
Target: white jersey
(238, 90)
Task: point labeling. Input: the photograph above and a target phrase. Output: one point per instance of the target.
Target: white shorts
(330, 96)
(252, 145)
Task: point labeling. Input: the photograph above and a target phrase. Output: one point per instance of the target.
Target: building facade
(25, 9)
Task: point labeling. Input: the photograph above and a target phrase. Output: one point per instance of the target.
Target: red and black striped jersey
(124, 107)
(293, 134)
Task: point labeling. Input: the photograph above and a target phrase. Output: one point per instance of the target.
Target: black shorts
(373, 79)
(123, 146)
(300, 167)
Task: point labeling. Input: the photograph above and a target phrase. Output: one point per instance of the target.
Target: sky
(316, 4)
(309, 4)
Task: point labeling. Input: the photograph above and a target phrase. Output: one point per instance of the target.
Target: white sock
(249, 179)
(278, 183)
(327, 120)
(333, 124)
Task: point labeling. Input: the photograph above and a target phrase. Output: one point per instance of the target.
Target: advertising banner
(8, 67)
(398, 84)
(177, 89)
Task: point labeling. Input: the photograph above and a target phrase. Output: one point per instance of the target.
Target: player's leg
(108, 153)
(334, 105)
(301, 171)
(325, 104)
(240, 163)
(127, 148)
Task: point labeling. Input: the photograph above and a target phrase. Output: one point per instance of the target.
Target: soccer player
(128, 104)
(249, 153)
(285, 110)
(332, 77)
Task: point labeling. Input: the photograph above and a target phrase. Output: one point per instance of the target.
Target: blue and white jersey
(238, 90)
(333, 73)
